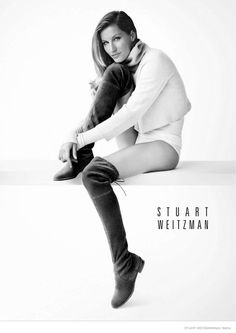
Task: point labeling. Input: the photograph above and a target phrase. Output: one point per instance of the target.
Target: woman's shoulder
(157, 60)
(156, 54)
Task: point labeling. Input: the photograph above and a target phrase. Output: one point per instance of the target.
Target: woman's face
(117, 43)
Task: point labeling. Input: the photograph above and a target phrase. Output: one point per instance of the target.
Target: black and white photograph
(117, 165)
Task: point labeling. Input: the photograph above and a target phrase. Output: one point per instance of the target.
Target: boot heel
(141, 265)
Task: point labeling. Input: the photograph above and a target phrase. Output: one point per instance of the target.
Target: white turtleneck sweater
(159, 99)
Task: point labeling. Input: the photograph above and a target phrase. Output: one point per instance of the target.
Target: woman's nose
(112, 48)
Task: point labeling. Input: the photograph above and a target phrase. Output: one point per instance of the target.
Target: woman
(139, 99)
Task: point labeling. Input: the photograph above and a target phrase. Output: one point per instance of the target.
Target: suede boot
(117, 81)
(84, 156)
(97, 178)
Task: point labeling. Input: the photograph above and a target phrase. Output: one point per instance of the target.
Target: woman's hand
(94, 84)
(68, 152)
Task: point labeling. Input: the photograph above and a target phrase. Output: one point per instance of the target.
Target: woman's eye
(116, 38)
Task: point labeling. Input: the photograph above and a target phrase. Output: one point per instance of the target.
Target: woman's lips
(115, 55)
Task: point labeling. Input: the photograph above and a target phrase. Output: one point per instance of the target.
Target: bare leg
(144, 157)
(126, 138)
(97, 178)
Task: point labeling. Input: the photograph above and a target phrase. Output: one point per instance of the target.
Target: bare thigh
(144, 157)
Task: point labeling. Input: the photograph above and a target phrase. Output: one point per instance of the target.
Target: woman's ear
(132, 36)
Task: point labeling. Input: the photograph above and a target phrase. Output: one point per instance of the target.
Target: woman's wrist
(80, 140)
(90, 136)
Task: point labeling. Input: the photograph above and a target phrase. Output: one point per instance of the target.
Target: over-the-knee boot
(97, 178)
(117, 81)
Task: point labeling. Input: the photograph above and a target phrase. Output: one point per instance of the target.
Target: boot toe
(122, 295)
(125, 287)
(65, 173)
(83, 158)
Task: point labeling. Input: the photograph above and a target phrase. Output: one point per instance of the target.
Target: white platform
(186, 173)
(55, 261)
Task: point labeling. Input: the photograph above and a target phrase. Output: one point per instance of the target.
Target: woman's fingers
(67, 158)
(65, 151)
(74, 147)
(60, 156)
(69, 162)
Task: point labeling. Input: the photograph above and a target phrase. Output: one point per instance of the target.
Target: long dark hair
(100, 57)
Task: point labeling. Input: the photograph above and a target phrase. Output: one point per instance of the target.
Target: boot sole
(66, 178)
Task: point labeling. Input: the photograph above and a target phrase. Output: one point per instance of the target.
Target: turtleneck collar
(136, 54)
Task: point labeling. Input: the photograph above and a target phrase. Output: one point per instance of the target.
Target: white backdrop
(46, 63)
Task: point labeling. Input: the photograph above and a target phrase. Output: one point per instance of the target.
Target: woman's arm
(156, 71)
(71, 135)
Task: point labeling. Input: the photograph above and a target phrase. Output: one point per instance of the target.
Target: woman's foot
(67, 173)
(125, 285)
(83, 159)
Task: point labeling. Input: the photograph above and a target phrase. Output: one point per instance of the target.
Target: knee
(87, 175)
(116, 67)
(120, 75)
(118, 70)
(92, 174)
(98, 172)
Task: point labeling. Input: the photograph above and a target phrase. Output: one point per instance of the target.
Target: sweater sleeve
(154, 74)
(71, 135)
